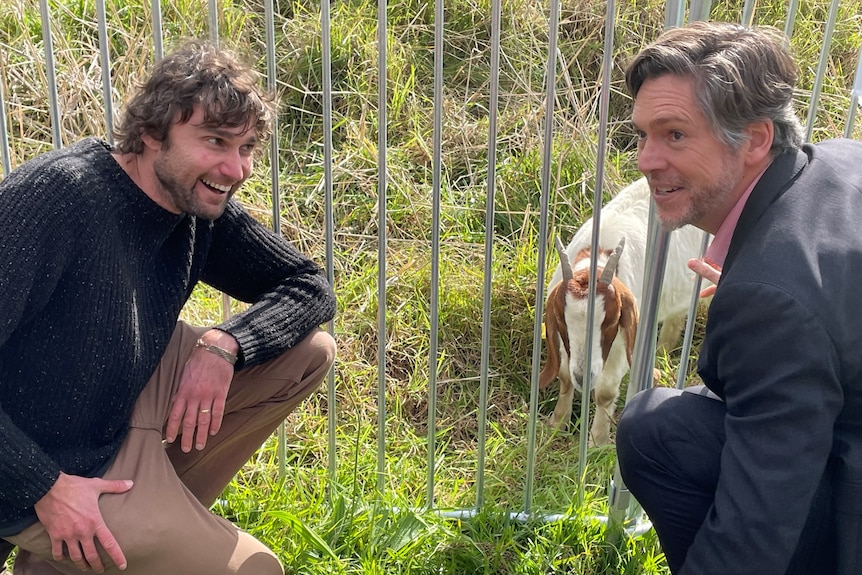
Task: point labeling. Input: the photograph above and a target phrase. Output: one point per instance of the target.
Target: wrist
(219, 343)
(221, 339)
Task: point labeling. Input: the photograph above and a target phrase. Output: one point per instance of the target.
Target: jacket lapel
(774, 182)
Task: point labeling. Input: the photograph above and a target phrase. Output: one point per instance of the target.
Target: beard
(706, 198)
(183, 195)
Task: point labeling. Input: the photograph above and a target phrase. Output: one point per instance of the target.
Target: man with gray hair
(760, 471)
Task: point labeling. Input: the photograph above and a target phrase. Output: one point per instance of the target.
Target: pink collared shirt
(717, 250)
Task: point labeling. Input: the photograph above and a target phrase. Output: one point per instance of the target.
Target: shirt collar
(717, 250)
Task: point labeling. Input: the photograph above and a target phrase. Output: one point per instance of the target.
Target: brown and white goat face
(615, 317)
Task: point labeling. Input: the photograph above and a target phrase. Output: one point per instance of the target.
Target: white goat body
(617, 305)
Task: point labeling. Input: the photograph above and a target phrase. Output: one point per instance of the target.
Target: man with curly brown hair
(119, 424)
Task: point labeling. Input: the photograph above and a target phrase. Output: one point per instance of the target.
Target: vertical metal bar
(601, 154)
(792, 8)
(158, 48)
(274, 170)
(674, 13)
(382, 38)
(821, 69)
(269, 23)
(855, 97)
(748, 13)
(51, 72)
(329, 216)
(4, 134)
(213, 20)
(641, 376)
(436, 186)
(550, 81)
(489, 249)
(690, 321)
(225, 299)
(699, 10)
(623, 508)
(104, 52)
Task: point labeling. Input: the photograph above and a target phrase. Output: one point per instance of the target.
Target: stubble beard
(183, 198)
(705, 199)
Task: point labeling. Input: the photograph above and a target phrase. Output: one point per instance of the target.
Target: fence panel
(407, 244)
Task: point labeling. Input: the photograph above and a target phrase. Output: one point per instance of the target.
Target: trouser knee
(640, 429)
(326, 346)
(670, 434)
(307, 363)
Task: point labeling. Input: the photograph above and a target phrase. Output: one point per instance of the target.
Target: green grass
(338, 529)
(349, 523)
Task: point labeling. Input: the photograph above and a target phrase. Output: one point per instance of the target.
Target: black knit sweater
(93, 276)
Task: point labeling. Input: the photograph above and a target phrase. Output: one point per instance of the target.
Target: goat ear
(628, 318)
(552, 362)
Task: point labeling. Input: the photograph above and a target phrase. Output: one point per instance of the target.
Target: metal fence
(641, 374)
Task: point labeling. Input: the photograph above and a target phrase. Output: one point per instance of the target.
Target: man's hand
(199, 402)
(71, 516)
(708, 270)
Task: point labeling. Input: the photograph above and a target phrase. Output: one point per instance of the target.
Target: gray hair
(741, 75)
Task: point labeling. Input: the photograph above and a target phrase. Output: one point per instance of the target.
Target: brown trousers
(163, 524)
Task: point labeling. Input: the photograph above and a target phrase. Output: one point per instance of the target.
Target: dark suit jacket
(783, 348)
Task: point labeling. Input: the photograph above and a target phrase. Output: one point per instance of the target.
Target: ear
(552, 362)
(628, 318)
(150, 142)
(760, 136)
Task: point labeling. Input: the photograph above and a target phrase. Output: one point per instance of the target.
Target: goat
(618, 291)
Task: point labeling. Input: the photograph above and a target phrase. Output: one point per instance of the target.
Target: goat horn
(613, 260)
(565, 265)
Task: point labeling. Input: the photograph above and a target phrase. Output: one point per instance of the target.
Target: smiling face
(197, 168)
(695, 178)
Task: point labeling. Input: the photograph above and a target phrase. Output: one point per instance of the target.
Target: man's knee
(310, 359)
(289, 377)
(642, 425)
(247, 557)
(643, 413)
(217, 547)
(202, 546)
(667, 431)
(324, 347)
(316, 354)
(251, 557)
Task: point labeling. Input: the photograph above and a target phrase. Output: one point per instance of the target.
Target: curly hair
(741, 75)
(197, 72)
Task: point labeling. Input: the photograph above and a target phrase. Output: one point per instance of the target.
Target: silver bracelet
(219, 351)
